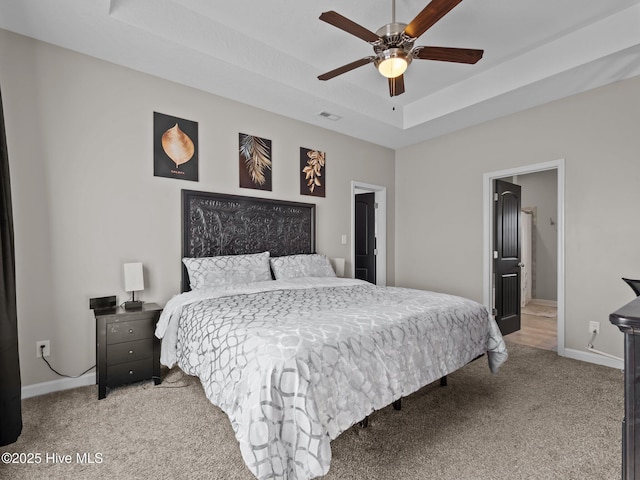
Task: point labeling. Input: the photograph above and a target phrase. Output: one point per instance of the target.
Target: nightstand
(126, 348)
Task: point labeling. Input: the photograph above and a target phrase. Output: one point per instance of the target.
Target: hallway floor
(539, 331)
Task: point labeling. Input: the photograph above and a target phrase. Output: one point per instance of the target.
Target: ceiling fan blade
(349, 26)
(346, 68)
(446, 54)
(429, 16)
(396, 86)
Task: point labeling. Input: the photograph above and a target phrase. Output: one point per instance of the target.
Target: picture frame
(175, 147)
(254, 162)
(312, 172)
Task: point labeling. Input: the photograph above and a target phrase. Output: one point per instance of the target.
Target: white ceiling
(268, 53)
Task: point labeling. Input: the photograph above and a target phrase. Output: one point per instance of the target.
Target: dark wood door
(507, 256)
(365, 241)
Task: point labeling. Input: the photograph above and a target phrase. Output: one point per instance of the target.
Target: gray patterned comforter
(295, 363)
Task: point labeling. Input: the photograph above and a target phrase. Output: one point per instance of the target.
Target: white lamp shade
(133, 277)
(392, 62)
(392, 67)
(338, 266)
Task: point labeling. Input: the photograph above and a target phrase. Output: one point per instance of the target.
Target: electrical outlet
(594, 327)
(47, 348)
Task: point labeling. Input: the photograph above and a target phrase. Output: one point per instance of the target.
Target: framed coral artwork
(175, 147)
(312, 172)
(254, 162)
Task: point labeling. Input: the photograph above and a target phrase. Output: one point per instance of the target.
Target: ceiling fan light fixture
(392, 62)
(393, 44)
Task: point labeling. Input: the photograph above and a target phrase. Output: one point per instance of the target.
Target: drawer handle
(130, 352)
(131, 330)
(130, 372)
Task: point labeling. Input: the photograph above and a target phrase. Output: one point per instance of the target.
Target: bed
(291, 353)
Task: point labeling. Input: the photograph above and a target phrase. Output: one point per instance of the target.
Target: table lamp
(133, 282)
(338, 266)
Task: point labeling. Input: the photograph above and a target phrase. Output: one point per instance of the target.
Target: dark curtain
(10, 386)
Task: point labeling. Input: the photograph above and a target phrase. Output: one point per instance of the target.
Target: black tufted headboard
(219, 224)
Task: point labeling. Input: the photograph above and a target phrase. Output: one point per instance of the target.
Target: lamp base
(133, 305)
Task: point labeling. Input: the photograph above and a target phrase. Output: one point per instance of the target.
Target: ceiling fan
(393, 44)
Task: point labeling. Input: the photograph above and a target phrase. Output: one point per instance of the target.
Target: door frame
(487, 192)
(380, 226)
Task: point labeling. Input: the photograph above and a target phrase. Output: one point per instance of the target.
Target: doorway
(380, 228)
(365, 239)
(558, 224)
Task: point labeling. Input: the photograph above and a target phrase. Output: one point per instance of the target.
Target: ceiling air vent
(330, 116)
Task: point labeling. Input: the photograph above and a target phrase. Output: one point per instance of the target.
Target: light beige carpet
(540, 417)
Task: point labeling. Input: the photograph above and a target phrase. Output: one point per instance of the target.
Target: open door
(365, 237)
(506, 255)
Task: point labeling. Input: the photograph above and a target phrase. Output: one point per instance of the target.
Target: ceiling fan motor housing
(394, 43)
(393, 36)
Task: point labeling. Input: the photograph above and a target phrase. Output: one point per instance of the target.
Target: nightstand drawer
(129, 331)
(129, 372)
(129, 351)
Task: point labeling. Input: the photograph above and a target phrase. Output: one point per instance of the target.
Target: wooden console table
(627, 319)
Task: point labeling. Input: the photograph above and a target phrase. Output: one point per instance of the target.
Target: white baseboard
(546, 303)
(593, 358)
(58, 385)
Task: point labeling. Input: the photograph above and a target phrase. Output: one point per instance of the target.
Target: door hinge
(495, 196)
(494, 311)
(375, 204)
(495, 254)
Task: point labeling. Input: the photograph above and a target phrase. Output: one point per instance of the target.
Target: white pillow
(291, 266)
(227, 270)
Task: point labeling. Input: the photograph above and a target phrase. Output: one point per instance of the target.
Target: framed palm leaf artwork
(255, 162)
(312, 172)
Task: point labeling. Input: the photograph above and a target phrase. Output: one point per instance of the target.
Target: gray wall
(597, 134)
(79, 133)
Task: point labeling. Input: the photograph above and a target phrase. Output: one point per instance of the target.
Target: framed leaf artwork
(175, 147)
(312, 172)
(255, 162)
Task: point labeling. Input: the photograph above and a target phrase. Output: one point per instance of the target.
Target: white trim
(594, 358)
(487, 191)
(58, 385)
(381, 228)
(546, 303)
